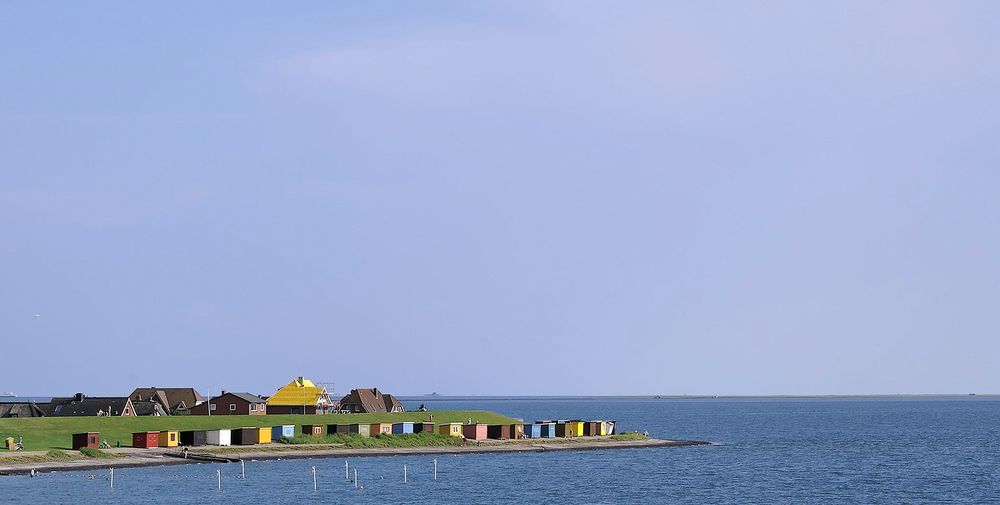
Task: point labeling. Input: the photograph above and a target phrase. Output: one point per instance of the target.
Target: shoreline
(170, 457)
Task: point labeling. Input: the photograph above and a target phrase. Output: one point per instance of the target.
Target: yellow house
(264, 435)
(169, 438)
(301, 396)
(450, 429)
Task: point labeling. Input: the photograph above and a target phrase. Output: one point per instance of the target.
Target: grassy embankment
(56, 432)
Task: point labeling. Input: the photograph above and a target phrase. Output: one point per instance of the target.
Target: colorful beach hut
(338, 429)
(609, 427)
(316, 430)
(498, 431)
(426, 427)
(474, 431)
(547, 429)
(169, 438)
(245, 436)
(402, 428)
(533, 430)
(193, 438)
(91, 439)
(284, 430)
(517, 431)
(219, 437)
(146, 439)
(380, 429)
(264, 435)
(450, 429)
(363, 430)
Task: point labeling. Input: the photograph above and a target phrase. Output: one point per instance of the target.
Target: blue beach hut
(533, 431)
(402, 428)
(547, 430)
(286, 430)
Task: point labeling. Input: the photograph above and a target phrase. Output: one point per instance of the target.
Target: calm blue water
(769, 451)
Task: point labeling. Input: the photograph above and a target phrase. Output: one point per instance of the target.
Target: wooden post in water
(355, 478)
(314, 479)
(112, 479)
(243, 470)
(435, 469)
(347, 472)
(218, 476)
(404, 474)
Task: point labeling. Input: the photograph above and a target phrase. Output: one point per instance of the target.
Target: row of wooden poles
(243, 475)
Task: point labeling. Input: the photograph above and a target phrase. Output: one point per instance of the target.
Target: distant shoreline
(431, 398)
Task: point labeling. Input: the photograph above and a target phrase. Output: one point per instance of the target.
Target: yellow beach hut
(264, 435)
(169, 438)
(381, 429)
(450, 429)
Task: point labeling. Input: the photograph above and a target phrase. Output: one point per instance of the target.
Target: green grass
(44, 433)
(378, 441)
(57, 454)
(629, 435)
(90, 452)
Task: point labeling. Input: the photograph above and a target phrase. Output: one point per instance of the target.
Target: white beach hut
(219, 437)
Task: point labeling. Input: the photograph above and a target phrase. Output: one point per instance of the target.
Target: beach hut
(245, 436)
(569, 429)
(498, 431)
(359, 429)
(450, 429)
(547, 430)
(405, 427)
(474, 431)
(169, 438)
(316, 430)
(193, 438)
(284, 430)
(90, 439)
(380, 429)
(219, 437)
(264, 435)
(338, 429)
(425, 427)
(146, 439)
(517, 431)
(609, 427)
(592, 428)
(533, 430)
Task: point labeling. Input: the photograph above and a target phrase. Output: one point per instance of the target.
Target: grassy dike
(46, 433)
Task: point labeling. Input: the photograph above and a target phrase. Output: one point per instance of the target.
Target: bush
(94, 453)
(629, 435)
(55, 454)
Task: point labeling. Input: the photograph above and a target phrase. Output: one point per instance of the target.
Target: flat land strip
(44, 433)
(129, 457)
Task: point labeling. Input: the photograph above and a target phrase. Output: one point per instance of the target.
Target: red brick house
(231, 404)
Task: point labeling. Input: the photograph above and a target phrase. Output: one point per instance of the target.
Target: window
(211, 406)
(253, 407)
(232, 407)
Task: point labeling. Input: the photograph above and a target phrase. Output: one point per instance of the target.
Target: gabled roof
(170, 398)
(371, 400)
(247, 397)
(300, 391)
(88, 406)
(22, 409)
(148, 408)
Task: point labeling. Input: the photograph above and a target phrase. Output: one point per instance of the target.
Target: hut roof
(300, 391)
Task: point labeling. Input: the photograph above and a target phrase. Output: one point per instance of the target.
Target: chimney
(223, 392)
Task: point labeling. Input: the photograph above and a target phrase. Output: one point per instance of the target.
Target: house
(450, 429)
(370, 401)
(90, 439)
(231, 404)
(82, 405)
(172, 400)
(20, 409)
(148, 408)
(301, 396)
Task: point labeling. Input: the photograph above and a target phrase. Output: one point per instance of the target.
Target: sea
(910, 450)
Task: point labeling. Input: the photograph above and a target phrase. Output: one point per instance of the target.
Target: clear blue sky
(501, 198)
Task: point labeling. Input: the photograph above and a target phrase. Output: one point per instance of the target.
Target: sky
(501, 198)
